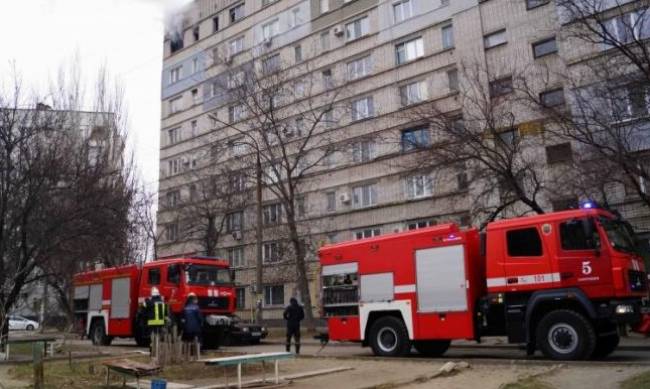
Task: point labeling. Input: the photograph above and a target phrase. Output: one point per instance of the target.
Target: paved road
(634, 351)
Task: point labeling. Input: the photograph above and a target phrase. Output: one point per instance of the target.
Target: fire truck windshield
(207, 275)
(619, 234)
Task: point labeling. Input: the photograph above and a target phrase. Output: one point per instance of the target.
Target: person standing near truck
(192, 324)
(157, 313)
(293, 314)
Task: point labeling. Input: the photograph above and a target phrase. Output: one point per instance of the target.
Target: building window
(236, 45)
(273, 295)
(530, 4)
(236, 256)
(559, 153)
(271, 64)
(462, 180)
(415, 138)
(234, 221)
(509, 137)
(215, 24)
(236, 13)
(175, 104)
(501, 87)
(295, 19)
(270, 29)
(364, 195)
(328, 80)
(357, 29)
(175, 74)
(324, 6)
(359, 68)
(452, 79)
(448, 36)
(195, 96)
(362, 108)
(631, 101)
(413, 93)
(418, 186)
(402, 10)
(524, 242)
(171, 232)
(272, 214)
(363, 151)
(173, 135)
(367, 233)
(626, 28)
(271, 252)
(176, 43)
(173, 198)
(325, 41)
(194, 128)
(495, 39)
(297, 52)
(240, 295)
(564, 204)
(409, 51)
(552, 98)
(195, 33)
(417, 224)
(235, 113)
(174, 166)
(545, 47)
(331, 201)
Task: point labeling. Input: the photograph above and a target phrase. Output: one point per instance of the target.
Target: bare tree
(279, 122)
(65, 193)
(484, 138)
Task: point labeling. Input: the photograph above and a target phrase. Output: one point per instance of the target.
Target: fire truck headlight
(623, 309)
(245, 329)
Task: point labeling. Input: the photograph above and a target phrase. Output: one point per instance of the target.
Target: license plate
(256, 333)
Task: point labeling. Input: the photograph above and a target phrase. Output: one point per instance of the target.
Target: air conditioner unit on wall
(345, 198)
(236, 235)
(338, 30)
(267, 42)
(227, 59)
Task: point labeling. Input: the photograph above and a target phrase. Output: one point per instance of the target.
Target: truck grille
(213, 302)
(638, 280)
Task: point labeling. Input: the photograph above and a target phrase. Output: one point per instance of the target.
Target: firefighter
(157, 313)
(293, 314)
(192, 324)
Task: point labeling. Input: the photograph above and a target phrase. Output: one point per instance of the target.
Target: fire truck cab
(560, 282)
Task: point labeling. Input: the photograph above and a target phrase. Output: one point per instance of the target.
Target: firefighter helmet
(154, 292)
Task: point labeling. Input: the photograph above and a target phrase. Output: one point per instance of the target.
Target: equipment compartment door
(120, 292)
(441, 282)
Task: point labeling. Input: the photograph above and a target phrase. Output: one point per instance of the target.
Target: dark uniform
(192, 321)
(293, 314)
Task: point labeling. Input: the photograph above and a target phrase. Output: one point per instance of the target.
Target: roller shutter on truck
(441, 282)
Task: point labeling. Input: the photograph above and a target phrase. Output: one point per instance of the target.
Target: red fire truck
(109, 302)
(562, 283)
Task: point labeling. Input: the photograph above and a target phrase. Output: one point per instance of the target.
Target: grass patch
(92, 374)
(527, 383)
(640, 381)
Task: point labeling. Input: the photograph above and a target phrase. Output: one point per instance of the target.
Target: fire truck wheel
(389, 337)
(565, 334)
(432, 348)
(98, 334)
(605, 345)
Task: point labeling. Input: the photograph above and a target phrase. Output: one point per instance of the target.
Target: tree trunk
(41, 311)
(301, 272)
(258, 245)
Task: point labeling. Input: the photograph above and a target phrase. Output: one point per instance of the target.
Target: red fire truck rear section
(562, 283)
(109, 302)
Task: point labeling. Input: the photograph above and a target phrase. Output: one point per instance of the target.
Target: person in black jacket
(293, 314)
(192, 319)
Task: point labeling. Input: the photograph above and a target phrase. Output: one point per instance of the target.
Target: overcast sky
(127, 35)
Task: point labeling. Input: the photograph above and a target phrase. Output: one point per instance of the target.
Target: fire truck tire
(389, 337)
(98, 334)
(432, 348)
(605, 345)
(565, 334)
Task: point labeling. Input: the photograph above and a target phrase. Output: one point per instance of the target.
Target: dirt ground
(384, 374)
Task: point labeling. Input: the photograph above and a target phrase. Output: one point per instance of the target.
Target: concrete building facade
(387, 58)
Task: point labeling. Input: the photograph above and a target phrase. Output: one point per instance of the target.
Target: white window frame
(175, 74)
(366, 233)
(271, 29)
(176, 104)
(236, 256)
(359, 67)
(362, 108)
(413, 93)
(364, 195)
(405, 12)
(269, 288)
(363, 151)
(418, 186)
(495, 39)
(239, 12)
(236, 45)
(271, 252)
(412, 49)
(272, 214)
(324, 6)
(447, 34)
(357, 28)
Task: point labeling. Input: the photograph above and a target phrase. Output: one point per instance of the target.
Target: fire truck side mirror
(232, 275)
